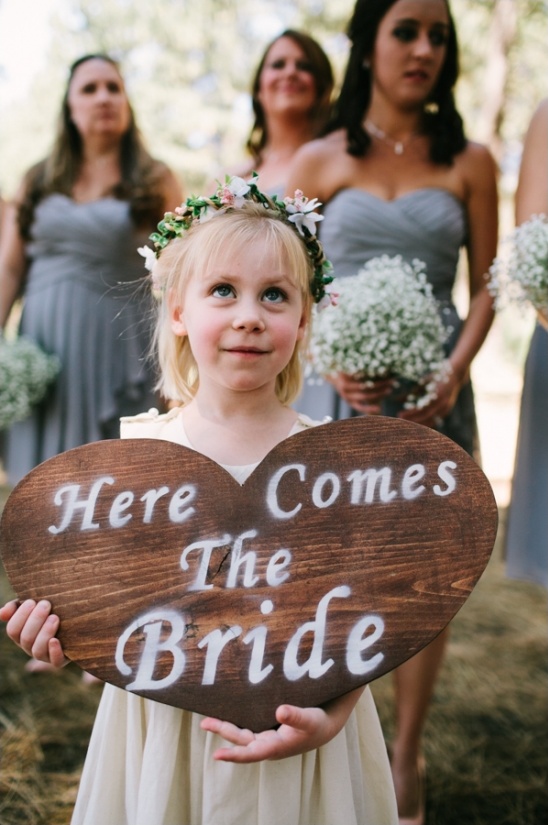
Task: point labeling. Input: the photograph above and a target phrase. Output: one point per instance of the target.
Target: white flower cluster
(520, 276)
(25, 372)
(386, 323)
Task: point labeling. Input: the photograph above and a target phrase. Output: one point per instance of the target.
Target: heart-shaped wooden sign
(348, 549)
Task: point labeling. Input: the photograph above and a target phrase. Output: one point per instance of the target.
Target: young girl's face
(410, 50)
(243, 317)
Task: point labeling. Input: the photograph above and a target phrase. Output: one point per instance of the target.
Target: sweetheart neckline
(398, 198)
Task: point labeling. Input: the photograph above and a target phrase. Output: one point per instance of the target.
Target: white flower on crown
(301, 212)
(233, 191)
(149, 255)
(206, 214)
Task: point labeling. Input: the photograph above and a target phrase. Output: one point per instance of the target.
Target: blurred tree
(188, 67)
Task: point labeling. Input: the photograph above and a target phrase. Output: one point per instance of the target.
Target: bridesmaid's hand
(32, 626)
(362, 394)
(446, 391)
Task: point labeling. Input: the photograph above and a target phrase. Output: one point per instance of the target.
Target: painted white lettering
(178, 510)
(215, 642)
(370, 478)
(275, 571)
(247, 560)
(71, 491)
(257, 635)
(447, 477)
(411, 477)
(358, 641)
(317, 490)
(314, 666)
(205, 547)
(150, 498)
(271, 492)
(120, 503)
(152, 625)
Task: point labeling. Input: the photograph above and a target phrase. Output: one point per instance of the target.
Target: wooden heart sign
(348, 549)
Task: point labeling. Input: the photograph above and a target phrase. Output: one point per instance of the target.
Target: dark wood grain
(407, 562)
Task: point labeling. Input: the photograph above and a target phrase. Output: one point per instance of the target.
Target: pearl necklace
(398, 145)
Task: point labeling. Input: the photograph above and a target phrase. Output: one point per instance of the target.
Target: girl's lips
(247, 350)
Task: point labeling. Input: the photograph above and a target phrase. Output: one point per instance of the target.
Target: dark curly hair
(322, 73)
(141, 174)
(441, 120)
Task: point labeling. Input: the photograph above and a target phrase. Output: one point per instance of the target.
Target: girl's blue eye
(222, 291)
(274, 295)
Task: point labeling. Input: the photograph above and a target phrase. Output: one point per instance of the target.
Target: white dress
(151, 764)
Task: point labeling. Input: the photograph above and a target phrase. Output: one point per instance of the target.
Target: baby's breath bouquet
(386, 324)
(25, 372)
(520, 276)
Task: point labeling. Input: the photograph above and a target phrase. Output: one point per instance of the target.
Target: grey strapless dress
(527, 524)
(428, 224)
(81, 302)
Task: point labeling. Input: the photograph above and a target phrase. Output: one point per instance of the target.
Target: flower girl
(236, 275)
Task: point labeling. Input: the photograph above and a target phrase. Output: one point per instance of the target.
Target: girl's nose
(248, 318)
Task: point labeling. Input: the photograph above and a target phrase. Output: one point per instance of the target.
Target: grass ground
(486, 740)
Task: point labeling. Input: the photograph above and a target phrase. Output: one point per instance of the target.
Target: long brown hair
(140, 172)
(441, 120)
(321, 71)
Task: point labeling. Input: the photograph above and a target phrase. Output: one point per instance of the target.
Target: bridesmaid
(291, 95)
(527, 529)
(69, 248)
(397, 175)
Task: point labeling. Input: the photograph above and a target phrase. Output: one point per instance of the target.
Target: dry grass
(485, 743)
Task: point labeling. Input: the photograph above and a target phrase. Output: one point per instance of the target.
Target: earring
(366, 64)
(431, 108)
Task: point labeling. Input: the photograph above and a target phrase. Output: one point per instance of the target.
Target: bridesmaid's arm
(532, 191)
(13, 262)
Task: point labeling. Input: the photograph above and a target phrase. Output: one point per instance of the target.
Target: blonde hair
(191, 254)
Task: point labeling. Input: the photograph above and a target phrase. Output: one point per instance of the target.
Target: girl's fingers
(8, 610)
(26, 623)
(41, 644)
(55, 653)
(232, 733)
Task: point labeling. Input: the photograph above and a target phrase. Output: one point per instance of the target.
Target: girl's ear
(301, 329)
(178, 325)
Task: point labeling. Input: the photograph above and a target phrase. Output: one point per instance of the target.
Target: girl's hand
(362, 394)
(32, 626)
(301, 730)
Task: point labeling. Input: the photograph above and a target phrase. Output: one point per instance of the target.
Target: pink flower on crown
(329, 299)
(301, 212)
(233, 192)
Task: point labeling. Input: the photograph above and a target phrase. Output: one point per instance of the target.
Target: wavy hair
(441, 121)
(141, 174)
(321, 70)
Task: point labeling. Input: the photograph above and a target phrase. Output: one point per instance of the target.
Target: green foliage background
(188, 67)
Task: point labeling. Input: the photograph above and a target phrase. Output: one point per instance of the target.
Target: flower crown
(297, 212)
